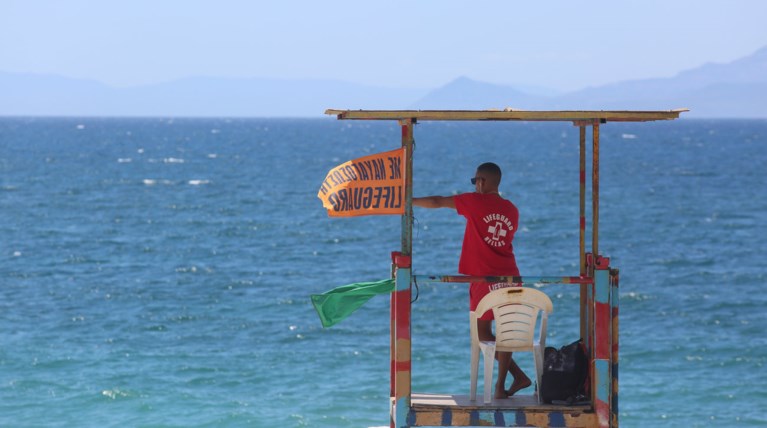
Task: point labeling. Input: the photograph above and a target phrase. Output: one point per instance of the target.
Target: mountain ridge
(734, 89)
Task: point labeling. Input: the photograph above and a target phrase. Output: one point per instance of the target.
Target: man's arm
(434, 202)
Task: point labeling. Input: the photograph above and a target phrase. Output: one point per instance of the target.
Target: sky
(560, 45)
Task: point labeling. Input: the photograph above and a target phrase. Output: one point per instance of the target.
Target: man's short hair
(490, 168)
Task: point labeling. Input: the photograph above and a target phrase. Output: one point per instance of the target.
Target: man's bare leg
(521, 381)
(505, 364)
(485, 330)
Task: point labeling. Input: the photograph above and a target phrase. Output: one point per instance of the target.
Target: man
(491, 222)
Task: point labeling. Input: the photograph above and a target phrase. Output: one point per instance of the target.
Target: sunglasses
(474, 179)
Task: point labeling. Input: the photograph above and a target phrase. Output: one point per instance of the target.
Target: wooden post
(582, 227)
(614, 301)
(601, 369)
(588, 313)
(595, 189)
(407, 218)
(401, 352)
(400, 299)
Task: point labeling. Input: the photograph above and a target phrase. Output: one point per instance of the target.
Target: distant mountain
(736, 89)
(466, 94)
(261, 97)
(47, 95)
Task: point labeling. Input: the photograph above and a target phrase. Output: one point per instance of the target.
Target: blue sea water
(157, 272)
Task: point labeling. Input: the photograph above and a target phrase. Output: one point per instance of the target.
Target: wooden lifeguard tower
(597, 280)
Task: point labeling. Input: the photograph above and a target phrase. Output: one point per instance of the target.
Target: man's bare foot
(519, 383)
(500, 393)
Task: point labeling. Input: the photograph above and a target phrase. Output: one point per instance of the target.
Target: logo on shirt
(498, 227)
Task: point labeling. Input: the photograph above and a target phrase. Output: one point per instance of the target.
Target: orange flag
(372, 185)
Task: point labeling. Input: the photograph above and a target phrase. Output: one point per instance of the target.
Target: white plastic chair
(516, 312)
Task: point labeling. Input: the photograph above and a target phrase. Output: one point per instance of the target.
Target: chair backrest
(516, 312)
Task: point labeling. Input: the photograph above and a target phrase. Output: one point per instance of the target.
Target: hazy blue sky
(424, 44)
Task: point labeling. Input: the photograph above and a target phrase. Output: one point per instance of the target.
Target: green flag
(335, 305)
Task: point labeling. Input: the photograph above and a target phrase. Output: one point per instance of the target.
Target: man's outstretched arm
(434, 202)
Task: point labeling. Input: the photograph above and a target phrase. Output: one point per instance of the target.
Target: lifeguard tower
(597, 280)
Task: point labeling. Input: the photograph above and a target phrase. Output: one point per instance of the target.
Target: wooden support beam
(523, 115)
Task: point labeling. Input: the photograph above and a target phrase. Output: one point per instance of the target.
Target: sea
(157, 272)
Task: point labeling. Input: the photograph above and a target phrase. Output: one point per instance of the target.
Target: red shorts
(478, 290)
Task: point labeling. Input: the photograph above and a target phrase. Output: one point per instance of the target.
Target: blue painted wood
(602, 383)
(557, 419)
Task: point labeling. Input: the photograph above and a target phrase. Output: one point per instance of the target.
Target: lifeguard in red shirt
(491, 222)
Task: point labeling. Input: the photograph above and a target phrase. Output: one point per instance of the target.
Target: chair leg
(489, 356)
(538, 361)
(474, 372)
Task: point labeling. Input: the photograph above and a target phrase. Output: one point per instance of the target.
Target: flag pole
(400, 299)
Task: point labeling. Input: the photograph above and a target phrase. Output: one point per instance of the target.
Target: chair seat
(516, 311)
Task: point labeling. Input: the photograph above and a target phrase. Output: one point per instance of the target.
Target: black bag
(565, 374)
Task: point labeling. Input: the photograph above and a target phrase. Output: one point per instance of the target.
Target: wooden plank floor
(527, 402)
(522, 410)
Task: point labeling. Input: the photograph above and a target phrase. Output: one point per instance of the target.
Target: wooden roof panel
(508, 114)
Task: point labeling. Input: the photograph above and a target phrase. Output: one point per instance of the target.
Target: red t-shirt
(491, 222)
